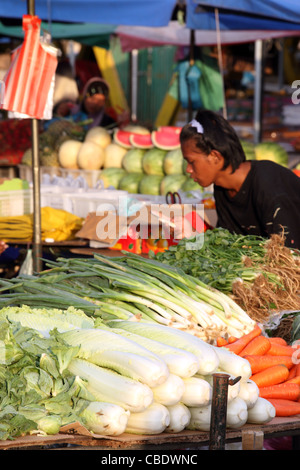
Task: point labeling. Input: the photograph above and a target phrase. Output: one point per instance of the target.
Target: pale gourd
(99, 135)
(90, 156)
(67, 154)
(114, 154)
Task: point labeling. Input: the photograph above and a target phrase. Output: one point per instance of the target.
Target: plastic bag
(29, 79)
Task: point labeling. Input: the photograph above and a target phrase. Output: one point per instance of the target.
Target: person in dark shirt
(252, 197)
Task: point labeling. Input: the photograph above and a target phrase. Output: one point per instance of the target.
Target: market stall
(168, 330)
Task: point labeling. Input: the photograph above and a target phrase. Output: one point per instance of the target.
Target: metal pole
(134, 83)
(219, 410)
(191, 62)
(37, 244)
(258, 90)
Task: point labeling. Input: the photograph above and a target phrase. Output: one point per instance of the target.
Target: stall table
(184, 440)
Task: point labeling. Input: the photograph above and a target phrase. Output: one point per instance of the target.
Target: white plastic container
(96, 201)
(15, 203)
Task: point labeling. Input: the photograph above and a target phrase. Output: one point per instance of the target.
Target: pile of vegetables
(130, 287)
(152, 163)
(262, 275)
(275, 368)
(60, 367)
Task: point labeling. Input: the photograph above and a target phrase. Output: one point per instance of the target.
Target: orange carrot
(271, 376)
(242, 342)
(257, 346)
(297, 369)
(287, 391)
(260, 363)
(232, 339)
(280, 350)
(278, 340)
(292, 372)
(285, 407)
(221, 341)
(294, 380)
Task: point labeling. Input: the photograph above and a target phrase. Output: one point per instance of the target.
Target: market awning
(116, 12)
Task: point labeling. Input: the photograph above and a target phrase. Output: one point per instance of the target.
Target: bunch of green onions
(134, 288)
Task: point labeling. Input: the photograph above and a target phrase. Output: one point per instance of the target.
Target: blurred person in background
(93, 104)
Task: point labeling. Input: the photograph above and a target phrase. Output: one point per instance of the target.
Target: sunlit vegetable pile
(262, 275)
(62, 367)
(115, 345)
(130, 287)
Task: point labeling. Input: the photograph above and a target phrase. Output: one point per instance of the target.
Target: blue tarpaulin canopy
(114, 12)
(243, 14)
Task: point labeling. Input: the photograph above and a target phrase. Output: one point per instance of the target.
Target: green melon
(153, 162)
(272, 151)
(150, 184)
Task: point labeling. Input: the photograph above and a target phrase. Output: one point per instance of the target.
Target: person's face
(202, 168)
(93, 104)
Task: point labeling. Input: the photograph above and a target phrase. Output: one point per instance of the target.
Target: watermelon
(153, 162)
(121, 138)
(141, 141)
(173, 162)
(150, 184)
(111, 177)
(272, 151)
(172, 183)
(130, 182)
(173, 129)
(136, 129)
(166, 138)
(132, 160)
(249, 149)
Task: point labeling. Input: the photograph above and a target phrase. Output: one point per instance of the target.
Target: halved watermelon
(175, 129)
(141, 141)
(165, 140)
(121, 137)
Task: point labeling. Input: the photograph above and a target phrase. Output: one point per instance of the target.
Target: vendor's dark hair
(217, 134)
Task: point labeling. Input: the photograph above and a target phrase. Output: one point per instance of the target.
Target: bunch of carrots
(275, 367)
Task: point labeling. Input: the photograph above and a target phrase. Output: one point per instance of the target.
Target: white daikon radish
(237, 413)
(262, 412)
(180, 417)
(249, 392)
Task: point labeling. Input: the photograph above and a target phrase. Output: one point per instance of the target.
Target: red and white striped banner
(28, 80)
